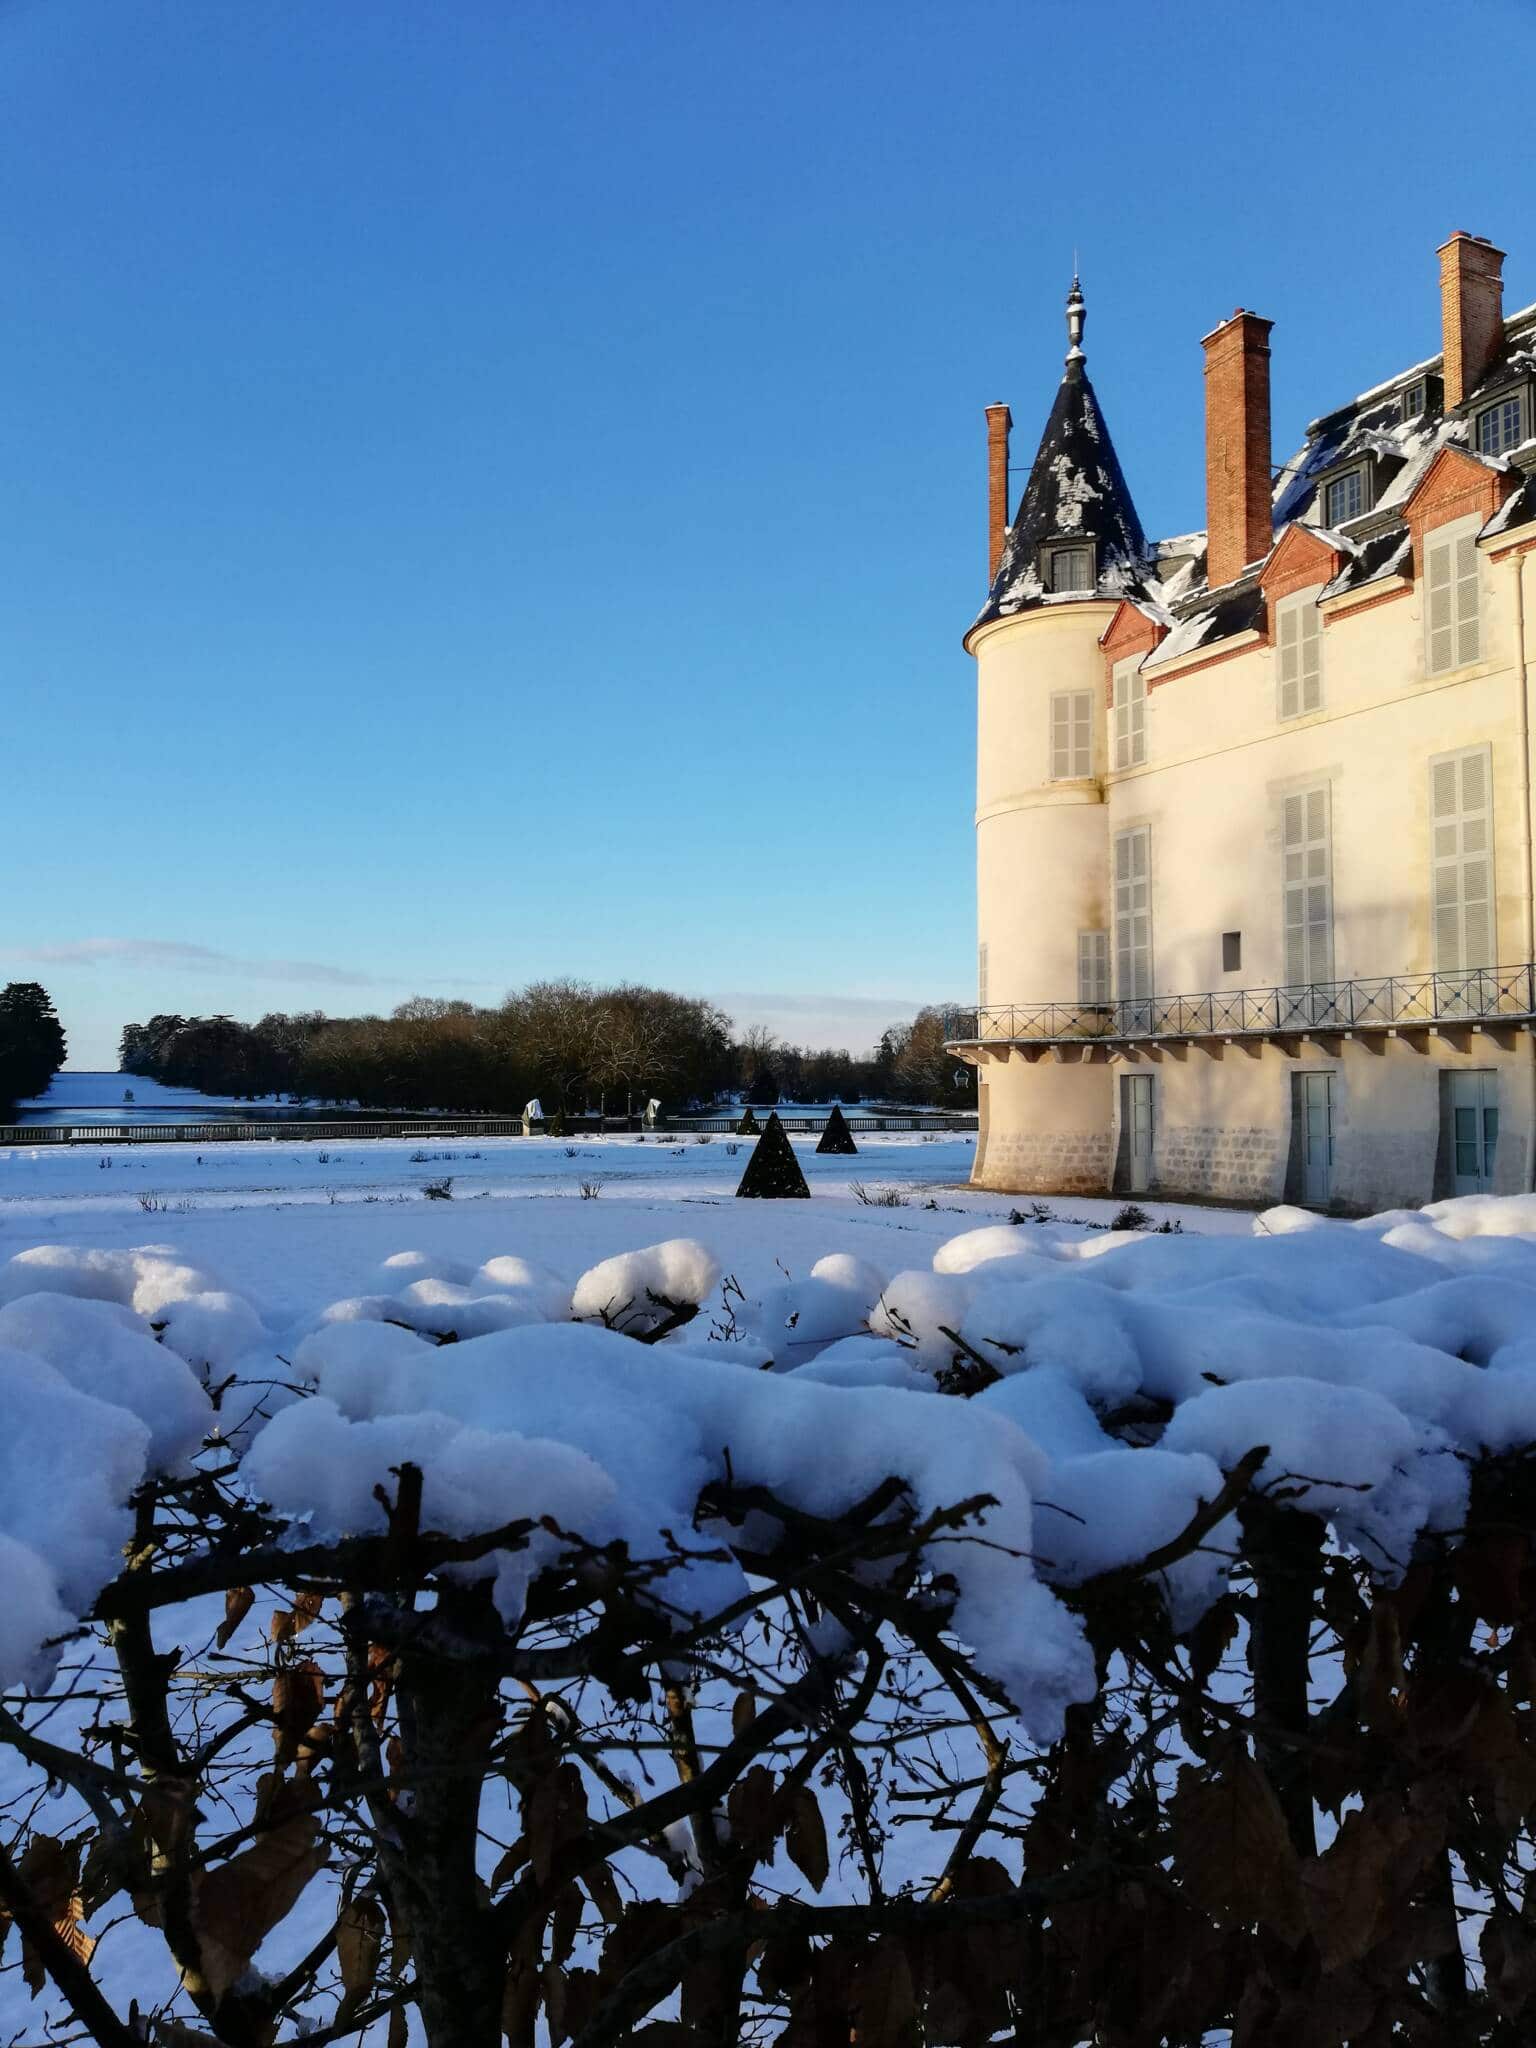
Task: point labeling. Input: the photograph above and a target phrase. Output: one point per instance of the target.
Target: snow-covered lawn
(293, 1224)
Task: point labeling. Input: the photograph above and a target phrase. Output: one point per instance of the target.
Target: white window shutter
(1133, 913)
(1299, 630)
(981, 975)
(1290, 662)
(1307, 887)
(1071, 734)
(1311, 663)
(1461, 861)
(1138, 685)
(1467, 622)
(1093, 967)
(1440, 624)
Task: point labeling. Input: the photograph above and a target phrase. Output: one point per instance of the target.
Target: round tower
(1044, 903)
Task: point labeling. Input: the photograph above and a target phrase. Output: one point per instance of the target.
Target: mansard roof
(1076, 492)
(1401, 429)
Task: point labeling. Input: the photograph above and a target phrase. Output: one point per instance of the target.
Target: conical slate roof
(1076, 492)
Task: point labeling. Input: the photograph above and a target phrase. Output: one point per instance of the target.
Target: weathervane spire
(1077, 315)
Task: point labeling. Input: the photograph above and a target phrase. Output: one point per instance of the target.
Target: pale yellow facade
(1223, 1111)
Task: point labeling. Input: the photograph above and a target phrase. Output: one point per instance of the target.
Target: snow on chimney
(1471, 310)
(1237, 471)
(999, 426)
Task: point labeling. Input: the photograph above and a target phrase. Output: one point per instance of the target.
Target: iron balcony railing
(1473, 995)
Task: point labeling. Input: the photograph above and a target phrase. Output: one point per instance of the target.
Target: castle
(1253, 805)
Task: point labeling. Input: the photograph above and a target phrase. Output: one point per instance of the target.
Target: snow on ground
(294, 1224)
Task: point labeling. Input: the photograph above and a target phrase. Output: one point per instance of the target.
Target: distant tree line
(573, 1047)
(31, 1042)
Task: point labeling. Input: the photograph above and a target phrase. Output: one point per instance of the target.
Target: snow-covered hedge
(1373, 1360)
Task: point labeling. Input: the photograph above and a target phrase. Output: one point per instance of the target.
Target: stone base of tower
(1045, 1128)
(1354, 1124)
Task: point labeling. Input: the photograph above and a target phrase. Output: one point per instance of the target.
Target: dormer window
(1345, 497)
(1501, 426)
(1412, 401)
(1069, 568)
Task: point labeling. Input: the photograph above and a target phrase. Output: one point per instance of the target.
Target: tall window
(981, 975)
(1345, 497)
(1308, 887)
(1071, 735)
(1497, 428)
(1130, 715)
(1133, 913)
(1299, 626)
(1452, 636)
(1461, 859)
(1093, 967)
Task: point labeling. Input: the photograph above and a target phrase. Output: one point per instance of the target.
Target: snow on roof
(1076, 491)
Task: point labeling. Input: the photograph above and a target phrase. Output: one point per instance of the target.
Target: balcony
(1498, 1000)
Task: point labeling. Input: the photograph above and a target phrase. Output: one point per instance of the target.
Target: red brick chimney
(999, 426)
(1471, 310)
(1237, 474)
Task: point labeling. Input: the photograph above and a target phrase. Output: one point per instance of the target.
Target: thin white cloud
(177, 956)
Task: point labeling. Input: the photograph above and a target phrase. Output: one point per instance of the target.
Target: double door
(1136, 1133)
(1314, 1108)
(1474, 1131)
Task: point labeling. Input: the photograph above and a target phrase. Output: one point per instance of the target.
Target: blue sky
(492, 490)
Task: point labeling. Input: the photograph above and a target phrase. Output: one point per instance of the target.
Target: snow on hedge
(1095, 1386)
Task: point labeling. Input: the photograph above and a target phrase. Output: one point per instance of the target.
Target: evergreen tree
(837, 1137)
(31, 1041)
(773, 1171)
(764, 1092)
(749, 1127)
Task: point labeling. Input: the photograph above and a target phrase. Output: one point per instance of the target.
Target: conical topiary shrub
(837, 1137)
(749, 1127)
(773, 1171)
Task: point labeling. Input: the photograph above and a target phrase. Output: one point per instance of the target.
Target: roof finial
(1077, 315)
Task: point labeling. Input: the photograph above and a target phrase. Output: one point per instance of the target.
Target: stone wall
(1235, 1163)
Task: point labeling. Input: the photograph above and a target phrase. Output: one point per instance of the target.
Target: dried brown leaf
(50, 1870)
(1232, 1850)
(236, 1906)
(238, 1602)
(805, 1839)
(754, 1813)
(359, 1944)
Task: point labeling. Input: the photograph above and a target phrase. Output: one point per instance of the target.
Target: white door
(1461, 878)
(1474, 1131)
(1317, 1139)
(1136, 1128)
(1308, 901)
(1133, 925)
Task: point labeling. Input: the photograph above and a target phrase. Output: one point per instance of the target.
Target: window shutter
(1310, 622)
(1071, 734)
(1133, 913)
(1299, 626)
(1093, 967)
(1461, 861)
(981, 975)
(1290, 662)
(1138, 686)
(1439, 622)
(1307, 888)
(1061, 738)
(1467, 635)
(1129, 699)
